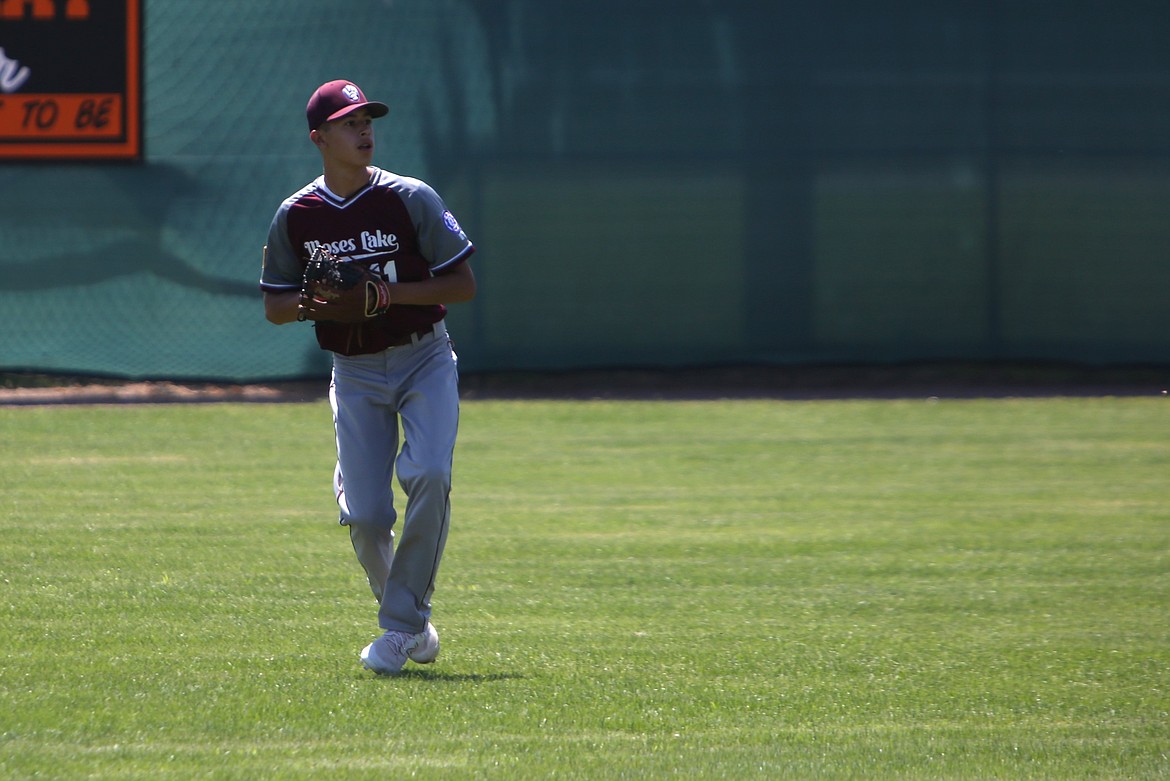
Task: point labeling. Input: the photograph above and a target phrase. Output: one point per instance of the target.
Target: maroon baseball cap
(335, 99)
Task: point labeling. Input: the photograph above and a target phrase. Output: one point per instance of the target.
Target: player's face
(349, 139)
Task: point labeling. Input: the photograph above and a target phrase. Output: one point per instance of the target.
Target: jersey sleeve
(282, 269)
(441, 240)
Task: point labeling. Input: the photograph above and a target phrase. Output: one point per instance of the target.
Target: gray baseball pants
(409, 393)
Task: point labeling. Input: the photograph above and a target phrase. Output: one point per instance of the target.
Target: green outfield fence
(650, 184)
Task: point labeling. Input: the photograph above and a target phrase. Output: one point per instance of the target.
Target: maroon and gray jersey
(396, 225)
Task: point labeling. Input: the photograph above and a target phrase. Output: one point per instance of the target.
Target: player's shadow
(447, 677)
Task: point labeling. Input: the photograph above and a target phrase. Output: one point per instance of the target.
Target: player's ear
(315, 137)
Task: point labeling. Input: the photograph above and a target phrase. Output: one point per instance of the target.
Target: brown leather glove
(343, 291)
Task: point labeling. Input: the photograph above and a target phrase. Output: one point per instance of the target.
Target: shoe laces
(400, 642)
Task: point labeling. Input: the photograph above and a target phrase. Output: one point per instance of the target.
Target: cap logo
(351, 93)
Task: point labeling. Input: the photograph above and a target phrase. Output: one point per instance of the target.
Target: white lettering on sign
(12, 75)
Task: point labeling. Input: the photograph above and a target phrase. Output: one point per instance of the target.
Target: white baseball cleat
(427, 649)
(388, 653)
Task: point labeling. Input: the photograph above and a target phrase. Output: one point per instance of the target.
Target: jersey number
(389, 270)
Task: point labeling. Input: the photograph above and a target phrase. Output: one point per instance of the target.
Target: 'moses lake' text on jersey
(396, 225)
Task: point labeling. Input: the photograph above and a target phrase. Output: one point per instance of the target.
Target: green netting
(654, 184)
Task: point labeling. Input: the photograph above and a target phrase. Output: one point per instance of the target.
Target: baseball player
(394, 369)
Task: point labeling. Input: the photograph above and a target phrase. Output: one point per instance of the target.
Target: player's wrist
(379, 298)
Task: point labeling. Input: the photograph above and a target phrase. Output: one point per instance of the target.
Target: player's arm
(282, 307)
(453, 286)
(281, 273)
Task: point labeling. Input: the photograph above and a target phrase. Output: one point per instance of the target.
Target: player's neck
(344, 181)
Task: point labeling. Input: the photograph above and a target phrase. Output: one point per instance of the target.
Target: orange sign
(83, 106)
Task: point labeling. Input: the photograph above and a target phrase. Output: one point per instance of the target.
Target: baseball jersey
(396, 225)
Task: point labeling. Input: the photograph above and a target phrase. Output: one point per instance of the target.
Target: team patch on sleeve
(451, 223)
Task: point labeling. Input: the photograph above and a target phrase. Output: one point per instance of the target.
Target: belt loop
(432, 330)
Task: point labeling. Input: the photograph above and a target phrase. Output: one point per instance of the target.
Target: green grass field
(703, 590)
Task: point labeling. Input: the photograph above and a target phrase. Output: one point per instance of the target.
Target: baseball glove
(340, 290)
